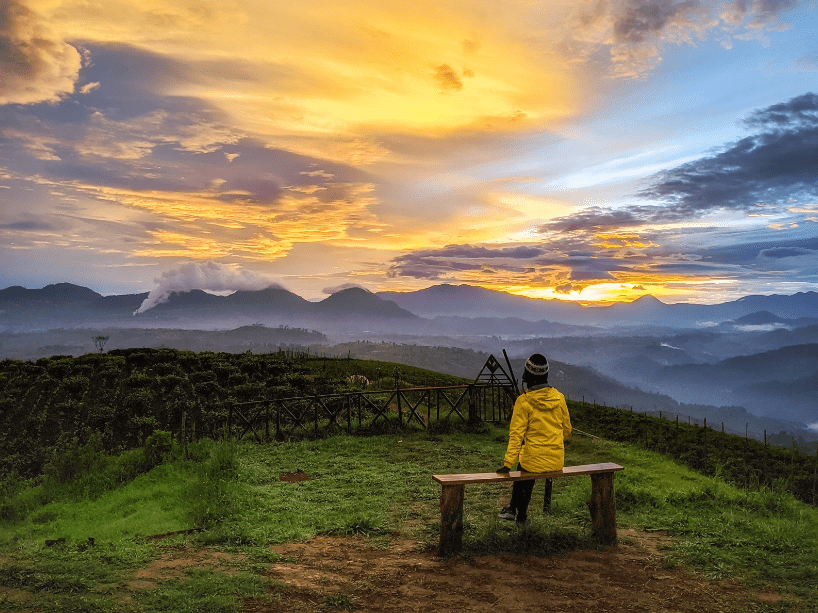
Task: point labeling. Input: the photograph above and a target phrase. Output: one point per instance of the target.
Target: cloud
(552, 264)
(808, 63)
(432, 263)
(800, 112)
(747, 253)
(597, 218)
(471, 251)
(37, 66)
(640, 20)
(30, 225)
(337, 288)
(777, 253)
(211, 276)
(774, 167)
(447, 78)
(636, 32)
(756, 13)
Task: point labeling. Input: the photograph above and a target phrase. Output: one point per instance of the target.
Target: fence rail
(282, 418)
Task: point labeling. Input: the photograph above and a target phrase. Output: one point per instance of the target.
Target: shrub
(70, 457)
(212, 493)
(158, 448)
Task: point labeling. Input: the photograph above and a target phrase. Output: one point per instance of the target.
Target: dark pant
(521, 496)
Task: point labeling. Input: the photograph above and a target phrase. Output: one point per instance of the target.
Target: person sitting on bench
(539, 427)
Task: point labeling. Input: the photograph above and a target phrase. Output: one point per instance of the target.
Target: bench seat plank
(516, 475)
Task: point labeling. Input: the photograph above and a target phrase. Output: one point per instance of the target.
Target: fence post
(349, 413)
(815, 476)
(474, 409)
(184, 433)
(229, 421)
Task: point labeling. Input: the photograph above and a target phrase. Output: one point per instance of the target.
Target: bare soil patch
(628, 577)
(296, 477)
(173, 564)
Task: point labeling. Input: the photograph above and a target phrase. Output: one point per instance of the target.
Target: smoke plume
(212, 276)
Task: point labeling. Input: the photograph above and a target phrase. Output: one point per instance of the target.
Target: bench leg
(451, 520)
(603, 508)
(546, 503)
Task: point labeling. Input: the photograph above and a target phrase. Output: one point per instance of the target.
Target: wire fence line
(414, 407)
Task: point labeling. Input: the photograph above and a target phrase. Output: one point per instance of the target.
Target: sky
(576, 149)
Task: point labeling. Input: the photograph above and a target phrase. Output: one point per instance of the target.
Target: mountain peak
(356, 301)
(647, 299)
(56, 292)
(759, 318)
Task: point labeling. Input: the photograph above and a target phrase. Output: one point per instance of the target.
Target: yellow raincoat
(541, 421)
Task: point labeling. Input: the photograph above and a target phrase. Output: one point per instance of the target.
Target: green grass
(380, 486)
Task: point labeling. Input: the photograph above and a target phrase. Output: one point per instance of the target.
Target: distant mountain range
(440, 309)
(780, 383)
(470, 301)
(64, 304)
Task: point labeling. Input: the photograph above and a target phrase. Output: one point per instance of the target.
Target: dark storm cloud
(774, 166)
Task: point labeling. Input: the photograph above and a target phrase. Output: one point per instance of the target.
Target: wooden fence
(283, 418)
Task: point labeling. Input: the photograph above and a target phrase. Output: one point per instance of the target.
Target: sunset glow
(564, 150)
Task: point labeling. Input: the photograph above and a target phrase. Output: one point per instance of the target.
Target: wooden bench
(602, 504)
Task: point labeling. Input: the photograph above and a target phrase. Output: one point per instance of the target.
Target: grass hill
(217, 527)
(103, 510)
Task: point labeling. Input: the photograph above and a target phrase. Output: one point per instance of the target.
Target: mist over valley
(750, 364)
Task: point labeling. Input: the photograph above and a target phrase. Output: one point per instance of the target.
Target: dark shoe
(508, 513)
(522, 520)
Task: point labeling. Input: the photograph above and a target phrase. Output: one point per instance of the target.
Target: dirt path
(332, 573)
